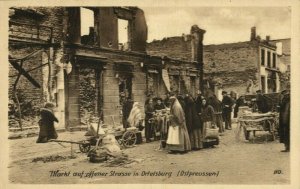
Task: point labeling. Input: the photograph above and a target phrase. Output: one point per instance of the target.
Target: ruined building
(92, 73)
(284, 60)
(242, 67)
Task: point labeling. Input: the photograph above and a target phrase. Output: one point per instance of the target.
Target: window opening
(262, 56)
(123, 34)
(87, 28)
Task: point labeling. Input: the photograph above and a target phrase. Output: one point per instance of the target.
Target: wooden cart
(259, 122)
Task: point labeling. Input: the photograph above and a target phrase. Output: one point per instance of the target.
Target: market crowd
(181, 122)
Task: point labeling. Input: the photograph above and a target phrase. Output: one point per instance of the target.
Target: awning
(165, 77)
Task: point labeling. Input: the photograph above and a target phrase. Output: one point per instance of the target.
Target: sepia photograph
(143, 94)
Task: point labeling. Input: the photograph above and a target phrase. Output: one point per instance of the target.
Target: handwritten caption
(91, 174)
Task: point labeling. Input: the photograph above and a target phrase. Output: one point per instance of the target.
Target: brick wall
(230, 65)
(25, 42)
(175, 47)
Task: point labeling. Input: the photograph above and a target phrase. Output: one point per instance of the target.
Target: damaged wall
(229, 65)
(30, 31)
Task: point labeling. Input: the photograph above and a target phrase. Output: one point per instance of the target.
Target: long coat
(46, 123)
(191, 116)
(284, 120)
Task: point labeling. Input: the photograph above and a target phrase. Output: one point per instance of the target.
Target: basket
(212, 133)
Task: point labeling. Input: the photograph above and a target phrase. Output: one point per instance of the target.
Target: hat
(224, 92)
(49, 105)
(258, 91)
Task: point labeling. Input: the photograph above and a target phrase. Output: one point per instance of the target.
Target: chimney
(267, 38)
(253, 34)
(197, 35)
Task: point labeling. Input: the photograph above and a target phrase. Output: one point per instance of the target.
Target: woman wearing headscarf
(135, 116)
(178, 138)
(46, 123)
(207, 116)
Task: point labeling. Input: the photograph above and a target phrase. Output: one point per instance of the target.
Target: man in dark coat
(46, 123)
(262, 102)
(227, 109)
(284, 121)
(239, 102)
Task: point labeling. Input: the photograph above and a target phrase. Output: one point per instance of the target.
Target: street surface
(231, 162)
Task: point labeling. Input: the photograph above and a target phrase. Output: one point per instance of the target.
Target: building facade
(90, 75)
(284, 60)
(242, 67)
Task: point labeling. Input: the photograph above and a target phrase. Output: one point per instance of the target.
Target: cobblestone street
(231, 162)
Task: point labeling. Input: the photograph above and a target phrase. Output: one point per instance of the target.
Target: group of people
(181, 120)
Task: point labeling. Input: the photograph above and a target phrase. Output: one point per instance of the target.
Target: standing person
(261, 102)
(167, 100)
(207, 116)
(135, 116)
(239, 102)
(46, 123)
(217, 106)
(149, 111)
(126, 108)
(284, 121)
(159, 105)
(198, 101)
(193, 123)
(227, 109)
(181, 101)
(178, 137)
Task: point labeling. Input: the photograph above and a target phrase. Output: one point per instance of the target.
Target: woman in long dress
(207, 116)
(178, 138)
(193, 123)
(46, 123)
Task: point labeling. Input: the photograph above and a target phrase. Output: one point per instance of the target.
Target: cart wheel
(129, 139)
(84, 147)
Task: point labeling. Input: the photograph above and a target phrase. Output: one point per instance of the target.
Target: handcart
(125, 137)
(259, 122)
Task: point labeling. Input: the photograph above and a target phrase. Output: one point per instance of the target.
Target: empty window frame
(269, 59)
(274, 60)
(262, 57)
(87, 23)
(123, 26)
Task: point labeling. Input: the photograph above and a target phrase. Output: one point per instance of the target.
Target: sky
(222, 24)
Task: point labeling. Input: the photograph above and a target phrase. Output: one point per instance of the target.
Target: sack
(173, 135)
